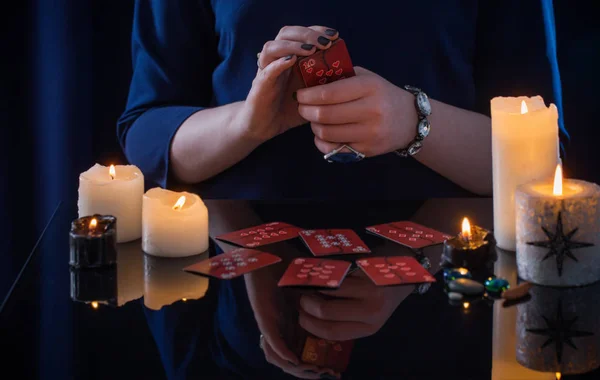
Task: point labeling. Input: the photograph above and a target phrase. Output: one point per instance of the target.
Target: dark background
(66, 68)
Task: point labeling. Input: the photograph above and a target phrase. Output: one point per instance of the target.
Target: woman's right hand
(270, 108)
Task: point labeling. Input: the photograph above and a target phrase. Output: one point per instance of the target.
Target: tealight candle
(524, 148)
(92, 241)
(558, 232)
(116, 191)
(174, 224)
(470, 248)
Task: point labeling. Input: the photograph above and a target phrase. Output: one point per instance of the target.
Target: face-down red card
(315, 273)
(333, 242)
(326, 66)
(264, 234)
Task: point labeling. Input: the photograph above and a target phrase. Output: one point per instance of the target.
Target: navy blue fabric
(191, 55)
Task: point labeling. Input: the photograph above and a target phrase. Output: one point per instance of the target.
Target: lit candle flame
(558, 181)
(466, 305)
(184, 299)
(94, 305)
(558, 375)
(93, 223)
(524, 109)
(466, 229)
(179, 204)
(112, 171)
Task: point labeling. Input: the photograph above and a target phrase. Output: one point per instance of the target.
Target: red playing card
(326, 66)
(395, 270)
(321, 273)
(264, 234)
(408, 233)
(327, 353)
(333, 242)
(233, 263)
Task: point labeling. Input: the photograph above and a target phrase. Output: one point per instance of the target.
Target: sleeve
(174, 52)
(510, 54)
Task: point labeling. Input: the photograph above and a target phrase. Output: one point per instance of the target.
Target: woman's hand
(365, 111)
(357, 309)
(270, 108)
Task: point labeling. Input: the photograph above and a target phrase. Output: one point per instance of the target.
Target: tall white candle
(116, 192)
(524, 148)
(174, 224)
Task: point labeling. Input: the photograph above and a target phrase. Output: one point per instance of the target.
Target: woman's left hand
(365, 112)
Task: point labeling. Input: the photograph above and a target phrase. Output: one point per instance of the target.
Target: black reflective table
(148, 319)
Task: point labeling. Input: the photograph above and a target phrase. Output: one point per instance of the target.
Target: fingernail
(295, 96)
(289, 57)
(331, 32)
(307, 46)
(323, 40)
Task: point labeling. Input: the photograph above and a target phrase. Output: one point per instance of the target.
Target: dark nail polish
(307, 46)
(295, 96)
(290, 363)
(327, 376)
(323, 40)
(289, 57)
(331, 32)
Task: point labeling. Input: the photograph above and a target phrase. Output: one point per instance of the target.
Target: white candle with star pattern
(558, 232)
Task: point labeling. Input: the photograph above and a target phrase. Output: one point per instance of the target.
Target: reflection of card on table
(395, 270)
(264, 234)
(333, 242)
(233, 263)
(410, 234)
(311, 272)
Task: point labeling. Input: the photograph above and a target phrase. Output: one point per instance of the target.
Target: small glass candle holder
(93, 241)
(470, 248)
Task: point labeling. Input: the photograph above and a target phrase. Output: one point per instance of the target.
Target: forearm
(209, 142)
(459, 147)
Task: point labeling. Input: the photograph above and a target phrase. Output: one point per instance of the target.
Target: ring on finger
(258, 60)
(336, 155)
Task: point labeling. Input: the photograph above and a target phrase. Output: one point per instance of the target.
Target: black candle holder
(93, 246)
(469, 253)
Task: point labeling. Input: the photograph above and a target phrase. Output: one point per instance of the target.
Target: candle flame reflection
(558, 181)
(466, 229)
(558, 375)
(524, 109)
(93, 223)
(179, 204)
(112, 171)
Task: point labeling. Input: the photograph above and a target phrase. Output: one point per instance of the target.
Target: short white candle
(117, 192)
(175, 224)
(524, 148)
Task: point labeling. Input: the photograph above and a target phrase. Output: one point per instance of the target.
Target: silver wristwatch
(423, 108)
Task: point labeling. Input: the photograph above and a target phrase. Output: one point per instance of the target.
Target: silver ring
(258, 60)
(358, 156)
(334, 152)
(261, 341)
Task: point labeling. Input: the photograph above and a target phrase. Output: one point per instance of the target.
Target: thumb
(362, 71)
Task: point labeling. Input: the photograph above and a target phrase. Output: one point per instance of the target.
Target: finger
(270, 73)
(344, 113)
(331, 33)
(279, 346)
(342, 133)
(341, 310)
(301, 371)
(352, 287)
(340, 331)
(340, 91)
(326, 147)
(305, 35)
(273, 50)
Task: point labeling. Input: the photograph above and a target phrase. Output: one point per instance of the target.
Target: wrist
(421, 111)
(245, 127)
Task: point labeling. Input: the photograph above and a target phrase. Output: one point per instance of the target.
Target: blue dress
(190, 55)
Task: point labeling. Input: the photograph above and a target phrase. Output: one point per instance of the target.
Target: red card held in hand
(326, 66)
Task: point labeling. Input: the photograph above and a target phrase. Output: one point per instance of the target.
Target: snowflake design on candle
(560, 244)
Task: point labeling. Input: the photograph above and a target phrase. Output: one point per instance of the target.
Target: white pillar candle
(115, 191)
(165, 283)
(558, 232)
(524, 148)
(174, 224)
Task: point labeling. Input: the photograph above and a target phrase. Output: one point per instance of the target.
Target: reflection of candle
(174, 224)
(92, 241)
(114, 191)
(469, 249)
(558, 232)
(165, 282)
(524, 148)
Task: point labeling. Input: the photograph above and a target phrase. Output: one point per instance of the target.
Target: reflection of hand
(268, 304)
(358, 309)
